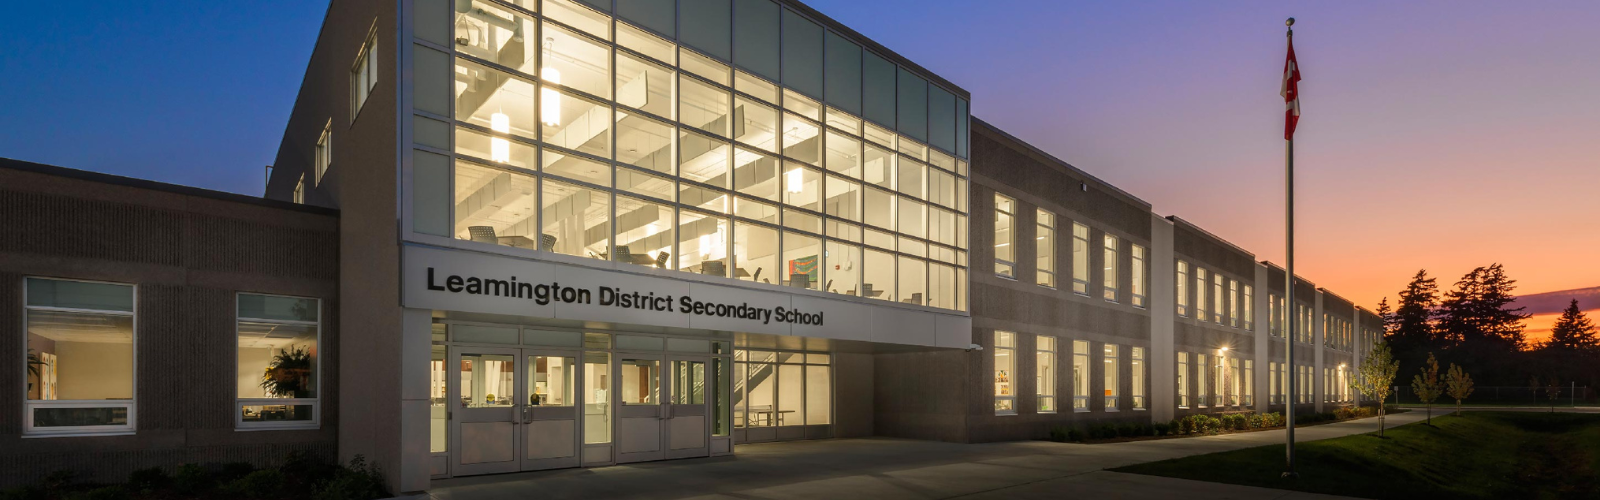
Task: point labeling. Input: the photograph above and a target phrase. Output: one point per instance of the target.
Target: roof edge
(117, 180)
(978, 123)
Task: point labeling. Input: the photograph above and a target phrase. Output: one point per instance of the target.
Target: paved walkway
(904, 469)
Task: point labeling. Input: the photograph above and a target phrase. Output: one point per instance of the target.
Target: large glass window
(1200, 294)
(575, 220)
(1138, 365)
(913, 280)
(1110, 277)
(1045, 374)
(781, 389)
(1182, 285)
(1113, 364)
(755, 123)
(277, 365)
(1004, 253)
(755, 252)
(1233, 303)
(1249, 380)
(1249, 309)
(644, 85)
(1136, 266)
(1183, 380)
(878, 275)
(1080, 375)
(1201, 395)
(703, 243)
(80, 357)
(1005, 368)
(1216, 297)
(842, 266)
(802, 256)
(644, 233)
(1080, 258)
(1045, 248)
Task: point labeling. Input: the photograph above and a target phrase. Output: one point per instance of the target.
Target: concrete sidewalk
(904, 469)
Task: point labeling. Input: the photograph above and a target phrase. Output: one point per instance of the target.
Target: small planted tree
(1426, 385)
(1553, 391)
(1376, 376)
(1533, 387)
(1458, 385)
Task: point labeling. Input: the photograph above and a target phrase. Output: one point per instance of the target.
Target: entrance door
(688, 424)
(486, 425)
(550, 422)
(641, 410)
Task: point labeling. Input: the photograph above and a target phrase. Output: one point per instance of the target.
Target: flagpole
(1289, 303)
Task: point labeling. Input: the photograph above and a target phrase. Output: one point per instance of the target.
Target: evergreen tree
(1387, 315)
(1573, 332)
(1410, 326)
(1478, 311)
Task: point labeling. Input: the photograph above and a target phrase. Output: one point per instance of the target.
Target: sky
(1435, 135)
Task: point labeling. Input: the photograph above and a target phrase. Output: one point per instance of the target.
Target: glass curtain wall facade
(731, 138)
(781, 389)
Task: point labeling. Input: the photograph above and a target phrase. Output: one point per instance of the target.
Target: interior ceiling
(81, 327)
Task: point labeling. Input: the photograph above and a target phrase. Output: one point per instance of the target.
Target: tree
(1375, 376)
(1554, 392)
(1478, 312)
(1426, 385)
(1411, 324)
(1386, 314)
(1533, 386)
(1573, 332)
(1457, 385)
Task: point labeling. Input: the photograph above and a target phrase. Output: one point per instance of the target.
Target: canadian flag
(1291, 94)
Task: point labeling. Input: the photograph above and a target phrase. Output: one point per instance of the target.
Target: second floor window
(1249, 307)
(1233, 303)
(324, 153)
(1183, 288)
(1200, 293)
(1110, 277)
(1137, 269)
(1046, 248)
(1080, 258)
(363, 75)
(1005, 254)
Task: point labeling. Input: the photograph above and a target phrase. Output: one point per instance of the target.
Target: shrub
(23, 493)
(1201, 424)
(265, 483)
(1160, 428)
(1075, 435)
(103, 493)
(144, 480)
(192, 478)
(357, 481)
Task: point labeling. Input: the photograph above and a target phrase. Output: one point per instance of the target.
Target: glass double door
(664, 407)
(514, 409)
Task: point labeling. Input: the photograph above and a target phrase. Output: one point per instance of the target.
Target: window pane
(802, 139)
(804, 221)
(879, 167)
(494, 206)
(575, 62)
(577, 168)
(943, 288)
(644, 85)
(962, 138)
(653, 14)
(705, 67)
(913, 280)
(802, 187)
(496, 148)
(552, 380)
(1112, 365)
(843, 154)
(840, 230)
(802, 54)
(699, 197)
(721, 380)
(841, 270)
(913, 215)
(753, 85)
(597, 398)
(844, 198)
(1080, 258)
(644, 233)
(755, 36)
(640, 381)
(942, 188)
(575, 123)
(644, 43)
(644, 143)
(755, 174)
(912, 118)
(438, 418)
(703, 159)
(755, 124)
(755, 252)
(1080, 375)
(1109, 276)
(911, 178)
(252, 306)
(286, 354)
(941, 118)
(755, 210)
(880, 208)
(79, 356)
(878, 89)
(878, 280)
(582, 17)
(802, 258)
(703, 106)
(492, 33)
(791, 395)
(1004, 372)
(819, 395)
(575, 220)
(703, 243)
(844, 73)
(494, 100)
(688, 382)
(707, 25)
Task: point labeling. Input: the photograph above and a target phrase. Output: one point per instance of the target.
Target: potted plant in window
(34, 368)
(288, 375)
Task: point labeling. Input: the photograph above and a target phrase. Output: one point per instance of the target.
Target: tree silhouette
(1426, 385)
(1478, 312)
(1573, 332)
(1554, 392)
(1411, 325)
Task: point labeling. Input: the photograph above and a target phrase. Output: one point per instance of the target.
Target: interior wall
(94, 370)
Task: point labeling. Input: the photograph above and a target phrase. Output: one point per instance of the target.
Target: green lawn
(1477, 455)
